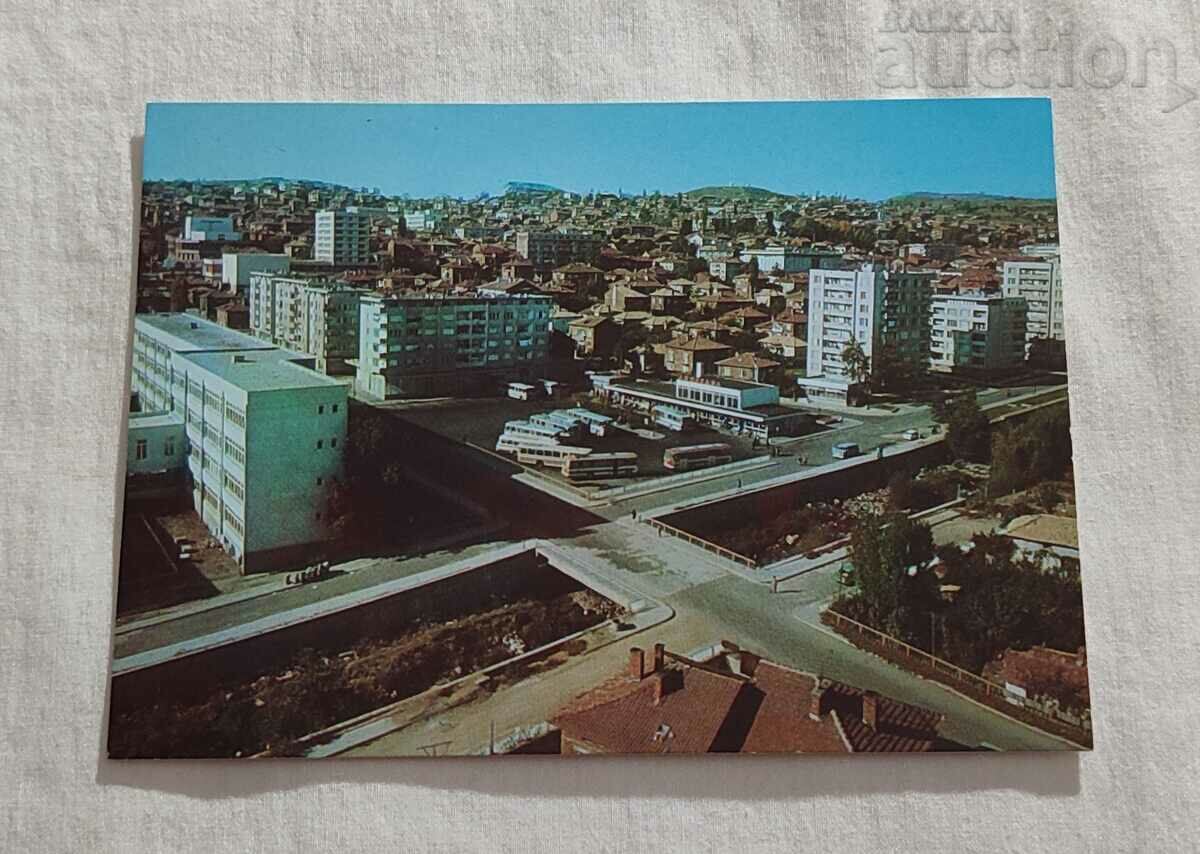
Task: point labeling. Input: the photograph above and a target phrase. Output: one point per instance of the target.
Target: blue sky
(864, 149)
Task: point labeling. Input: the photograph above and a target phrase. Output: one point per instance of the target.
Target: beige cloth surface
(75, 78)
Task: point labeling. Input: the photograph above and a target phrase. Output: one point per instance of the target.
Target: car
(911, 434)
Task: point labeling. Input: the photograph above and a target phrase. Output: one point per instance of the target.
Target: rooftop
(265, 370)
(187, 333)
(735, 702)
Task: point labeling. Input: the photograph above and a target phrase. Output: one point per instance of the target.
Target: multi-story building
(236, 267)
(423, 220)
(871, 306)
(423, 345)
(342, 237)
(1038, 278)
(549, 249)
(264, 433)
(976, 332)
(314, 316)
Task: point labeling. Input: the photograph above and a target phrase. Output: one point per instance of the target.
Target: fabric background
(75, 78)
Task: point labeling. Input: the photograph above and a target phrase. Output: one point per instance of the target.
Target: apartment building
(1038, 279)
(424, 345)
(342, 237)
(314, 316)
(547, 250)
(975, 332)
(264, 433)
(872, 306)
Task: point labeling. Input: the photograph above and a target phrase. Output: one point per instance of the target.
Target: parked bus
(566, 424)
(697, 456)
(600, 466)
(672, 419)
(536, 431)
(598, 425)
(845, 450)
(511, 443)
(549, 455)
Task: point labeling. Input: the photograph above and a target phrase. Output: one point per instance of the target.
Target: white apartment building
(236, 267)
(426, 220)
(342, 237)
(423, 346)
(264, 432)
(1038, 280)
(870, 305)
(313, 316)
(209, 228)
(976, 333)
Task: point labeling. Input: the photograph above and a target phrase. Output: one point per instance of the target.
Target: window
(169, 447)
(140, 449)
(333, 443)
(320, 444)
(335, 407)
(319, 481)
(321, 409)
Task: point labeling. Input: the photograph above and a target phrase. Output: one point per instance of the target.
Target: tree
(883, 549)
(968, 431)
(856, 363)
(1034, 450)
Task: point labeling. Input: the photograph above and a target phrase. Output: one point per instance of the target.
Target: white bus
(598, 425)
(697, 456)
(845, 450)
(565, 424)
(536, 431)
(549, 455)
(672, 419)
(600, 466)
(510, 443)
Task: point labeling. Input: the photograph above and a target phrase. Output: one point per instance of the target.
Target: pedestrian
(739, 483)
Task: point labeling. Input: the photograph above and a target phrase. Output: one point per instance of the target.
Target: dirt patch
(318, 688)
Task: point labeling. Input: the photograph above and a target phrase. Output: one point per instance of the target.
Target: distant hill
(963, 197)
(725, 193)
(529, 187)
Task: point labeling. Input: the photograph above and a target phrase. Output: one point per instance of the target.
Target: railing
(729, 554)
(953, 675)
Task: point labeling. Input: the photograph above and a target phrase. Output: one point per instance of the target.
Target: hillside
(725, 193)
(962, 197)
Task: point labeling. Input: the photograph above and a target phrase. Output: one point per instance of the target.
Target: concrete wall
(842, 483)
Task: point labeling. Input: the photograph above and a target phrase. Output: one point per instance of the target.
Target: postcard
(475, 430)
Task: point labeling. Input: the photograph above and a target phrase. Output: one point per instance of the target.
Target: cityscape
(437, 446)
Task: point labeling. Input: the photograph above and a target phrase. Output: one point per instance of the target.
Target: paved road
(869, 431)
(710, 604)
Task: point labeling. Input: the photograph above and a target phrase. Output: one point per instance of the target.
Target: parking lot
(480, 422)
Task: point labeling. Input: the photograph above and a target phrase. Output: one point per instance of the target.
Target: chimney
(637, 662)
(817, 705)
(660, 687)
(659, 657)
(870, 703)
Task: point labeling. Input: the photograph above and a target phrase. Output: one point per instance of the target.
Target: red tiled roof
(621, 715)
(764, 708)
